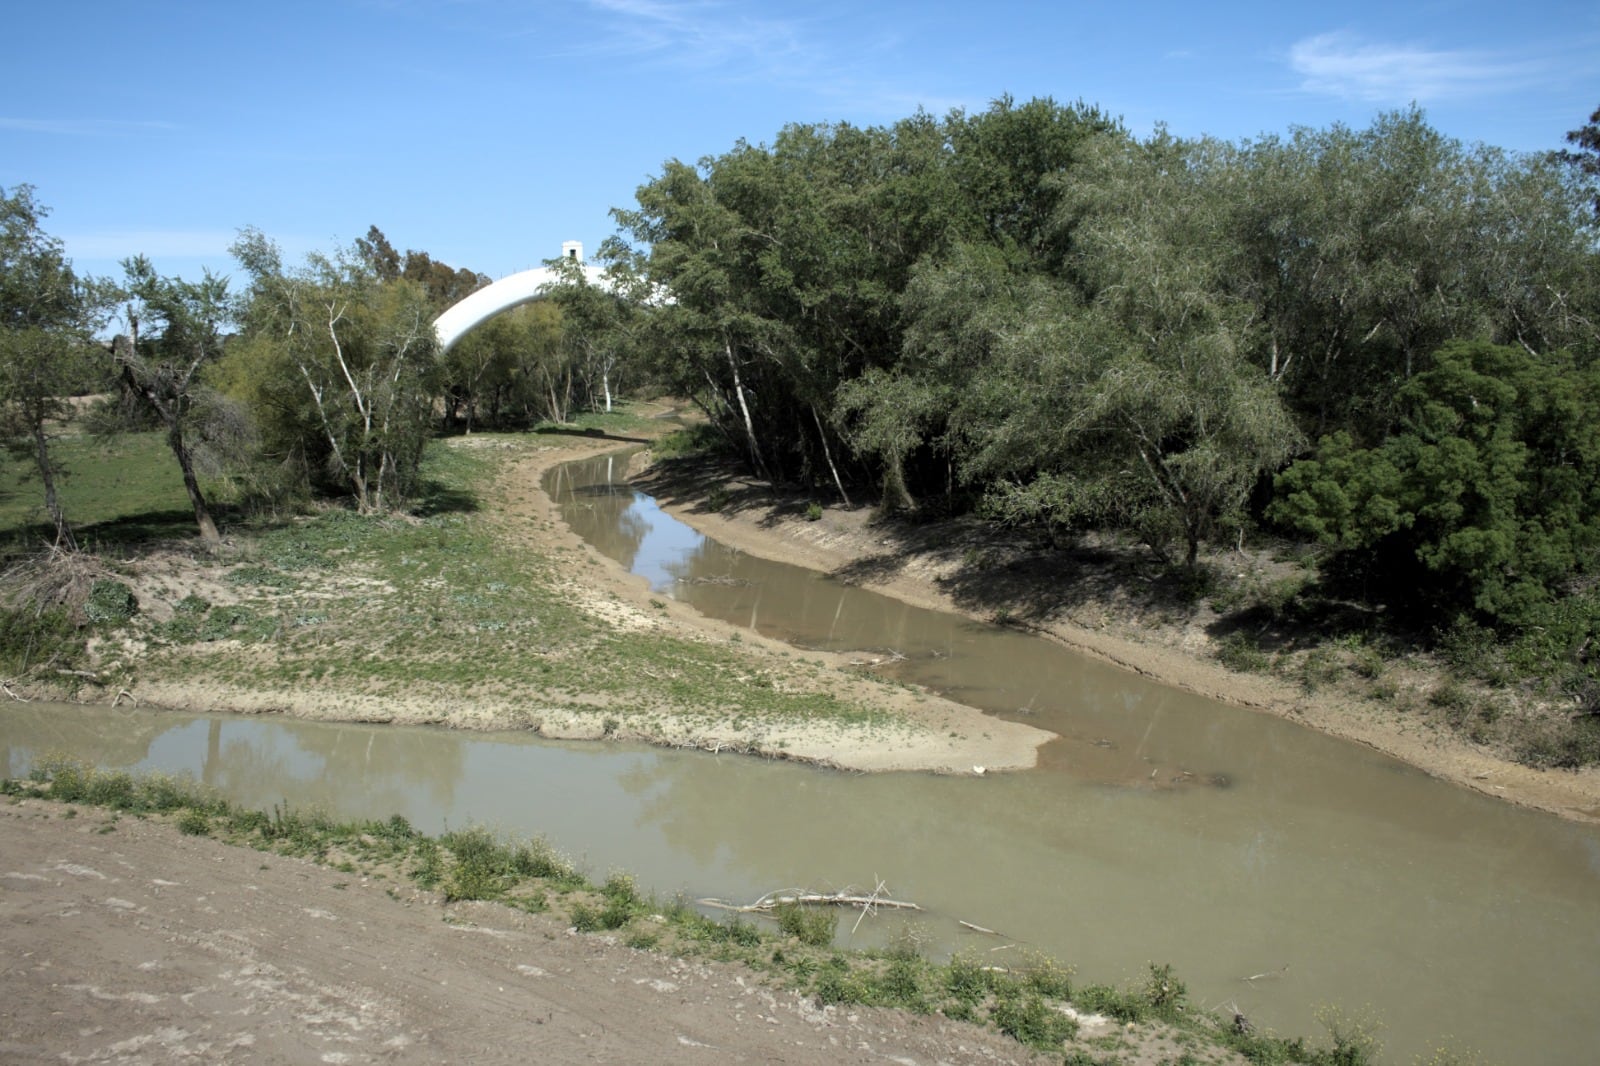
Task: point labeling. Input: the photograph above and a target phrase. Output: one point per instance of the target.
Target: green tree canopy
(1488, 497)
(46, 316)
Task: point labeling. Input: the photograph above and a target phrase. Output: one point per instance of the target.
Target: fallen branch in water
(6, 685)
(773, 900)
(1270, 973)
(982, 929)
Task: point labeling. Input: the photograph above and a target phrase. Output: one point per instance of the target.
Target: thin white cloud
(1341, 64)
(703, 35)
(81, 127)
(155, 243)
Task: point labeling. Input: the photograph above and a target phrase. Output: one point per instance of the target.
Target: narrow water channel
(1330, 874)
(1164, 826)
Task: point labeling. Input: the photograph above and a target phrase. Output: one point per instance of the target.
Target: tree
(182, 325)
(1488, 498)
(1145, 402)
(602, 322)
(1586, 159)
(45, 317)
(354, 369)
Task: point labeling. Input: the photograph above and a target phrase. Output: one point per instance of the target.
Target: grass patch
(432, 603)
(115, 491)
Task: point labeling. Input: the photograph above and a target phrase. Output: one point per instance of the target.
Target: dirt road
(128, 942)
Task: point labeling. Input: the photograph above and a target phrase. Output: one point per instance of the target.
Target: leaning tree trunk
(202, 514)
(52, 501)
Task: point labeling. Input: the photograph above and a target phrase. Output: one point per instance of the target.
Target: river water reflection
(1369, 882)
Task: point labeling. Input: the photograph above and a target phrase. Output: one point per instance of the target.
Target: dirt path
(128, 942)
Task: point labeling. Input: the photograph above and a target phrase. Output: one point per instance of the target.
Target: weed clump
(110, 603)
(1238, 652)
(813, 926)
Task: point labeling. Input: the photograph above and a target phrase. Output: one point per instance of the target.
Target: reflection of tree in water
(706, 561)
(599, 508)
(355, 771)
(108, 737)
(631, 527)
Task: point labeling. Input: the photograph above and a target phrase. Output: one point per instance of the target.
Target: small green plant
(1317, 668)
(427, 864)
(1239, 652)
(1368, 662)
(482, 865)
(110, 602)
(836, 982)
(813, 511)
(1048, 977)
(1164, 992)
(31, 635)
(718, 498)
(1354, 1039)
(1033, 1021)
(966, 979)
(643, 939)
(809, 925)
(194, 823)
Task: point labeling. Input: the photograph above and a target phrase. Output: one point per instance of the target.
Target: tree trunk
(827, 453)
(52, 502)
(191, 484)
(744, 411)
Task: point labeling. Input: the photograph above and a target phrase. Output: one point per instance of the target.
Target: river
(1279, 870)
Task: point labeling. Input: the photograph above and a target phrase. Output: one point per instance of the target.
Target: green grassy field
(122, 489)
(431, 605)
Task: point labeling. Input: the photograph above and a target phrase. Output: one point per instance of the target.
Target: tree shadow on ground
(143, 528)
(1009, 574)
(590, 433)
(1306, 623)
(438, 498)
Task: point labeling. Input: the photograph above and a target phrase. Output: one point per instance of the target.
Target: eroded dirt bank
(968, 569)
(129, 942)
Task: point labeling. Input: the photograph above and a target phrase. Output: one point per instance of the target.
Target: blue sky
(485, 132)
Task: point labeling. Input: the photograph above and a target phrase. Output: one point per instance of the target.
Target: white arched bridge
(511, 291)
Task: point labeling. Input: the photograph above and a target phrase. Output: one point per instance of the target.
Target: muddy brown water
(1162, 827)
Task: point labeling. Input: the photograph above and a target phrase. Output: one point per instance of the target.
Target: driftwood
(772, 900)
(1268, 974)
